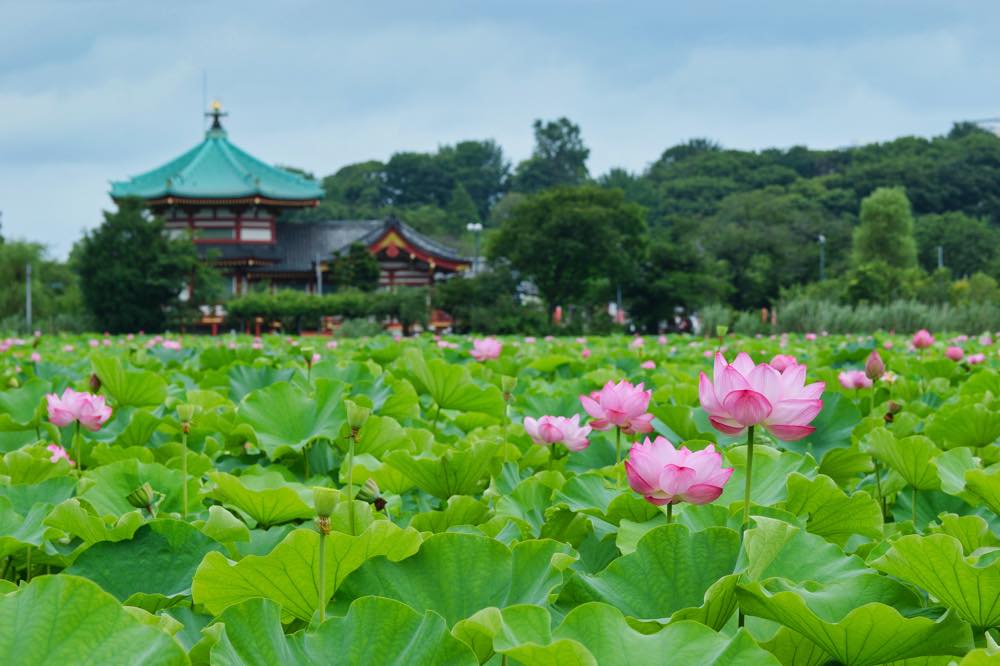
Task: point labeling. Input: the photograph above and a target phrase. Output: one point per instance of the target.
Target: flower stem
(618, 457)
(79, 446)
(350, 481)
(670, 513)
(184, 472)
(322, 575)
(27, 567)
(878, 486)
(747, 484)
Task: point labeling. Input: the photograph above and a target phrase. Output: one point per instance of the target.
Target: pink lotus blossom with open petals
(484, 349)
(558, 430)
(59, 453)
(782, 361)
(854, 379)
(954, 353)
(621, 405)
(742, 394)
(975, 359)
(922, 339)
(87, 409)
(665, 475)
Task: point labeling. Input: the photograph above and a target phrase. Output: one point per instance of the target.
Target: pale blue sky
(92, 91)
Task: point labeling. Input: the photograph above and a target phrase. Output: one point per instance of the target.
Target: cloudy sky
(93, 91)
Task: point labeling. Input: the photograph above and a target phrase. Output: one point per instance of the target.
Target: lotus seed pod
(324, 500)
(142, 497)
(356, 414)
(185, 412)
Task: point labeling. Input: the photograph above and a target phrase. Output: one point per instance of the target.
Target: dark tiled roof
(298, 243)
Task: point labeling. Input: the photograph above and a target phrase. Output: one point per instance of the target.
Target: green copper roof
(216, 169)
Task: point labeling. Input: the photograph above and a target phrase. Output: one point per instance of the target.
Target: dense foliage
(203, 513)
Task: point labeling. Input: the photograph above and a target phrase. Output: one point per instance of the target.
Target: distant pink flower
(484, 349)
(529, 340)
(550, 338)
(579, 341)
(665, 475)
(782, 361)
(332, 344)
(810, 336)
(316, 358)
(648, 365)
(558, 430)
(36, 357)
(257, 345)
(637, 343)
(106, 342)
(708, 353)
(985, 340)
(585, 353)
(662, 340)
(59, 453)
(854, 379)
(742, 394)
(130, 336)
(975, 359)
(172, 345)
(93, 343)
(960, 339)
(87, 409)
(621, 405)
(922, 339)
(954, 353)
(887, 344)
(68, 348)
(444, 344)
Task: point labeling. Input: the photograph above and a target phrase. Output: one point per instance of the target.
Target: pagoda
(231, 204)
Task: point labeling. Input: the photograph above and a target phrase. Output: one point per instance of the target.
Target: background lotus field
(469, 543)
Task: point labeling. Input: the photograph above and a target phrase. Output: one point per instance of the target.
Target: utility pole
(940, 256)
(822, 257)
(319, 276)
(27, 294)
(477, 229)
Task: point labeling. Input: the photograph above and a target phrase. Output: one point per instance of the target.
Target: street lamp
(477, 229)
(822, 257)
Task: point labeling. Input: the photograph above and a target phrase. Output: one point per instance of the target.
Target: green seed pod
(324, 500)
(356, 414)
(142, 497)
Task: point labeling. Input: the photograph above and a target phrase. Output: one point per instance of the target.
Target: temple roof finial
(216, 113)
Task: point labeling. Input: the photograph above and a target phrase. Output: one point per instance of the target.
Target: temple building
(232, 203)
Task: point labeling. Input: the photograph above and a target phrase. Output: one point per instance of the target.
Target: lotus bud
(508, 384)
(185, 412)
(721, 331)
(95, 382)
(356, 414)
(142, 497)
(307, 354)
(874, 366)
(324, 499)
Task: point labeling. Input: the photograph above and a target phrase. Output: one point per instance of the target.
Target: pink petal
(747, 407)
(790, 433)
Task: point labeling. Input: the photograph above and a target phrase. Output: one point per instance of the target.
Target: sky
(94, 91)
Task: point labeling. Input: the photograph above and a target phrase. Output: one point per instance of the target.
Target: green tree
(461, 210)
(559, 158)
(481, 168)
(55, 292)
(132, 273)
(566, 238)
(417, 178)
(969, 245)
(355, 269)
(886, 230)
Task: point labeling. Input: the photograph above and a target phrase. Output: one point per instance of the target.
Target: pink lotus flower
(585, 353)
(637, 343)
(316, 358)
(665, 475)
(35, 357)
(975, 359)
(93, 343)
(954, 353)
(621, 405)
(985, 340)
(854, 379)
(742, 395)
(486, 348)
(332, 344)
(444, 344)
(874, 366)
(558, 429)
(887, 344)
(68, 348)
(59, 453)
(648, 365)
(529, 340)
(922, 339)
(89, 410)
(810, 336)
(172, 345)
(579, 341)
(782, 361)
(662, 340)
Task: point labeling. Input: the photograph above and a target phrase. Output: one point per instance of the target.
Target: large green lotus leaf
(245, 379)
(770, 469)
(403, 403)
(266, 498)
(461, 510)
(289, 574)
(70, 620)
(671, 569)
(965, 425)
(845, 465)
(586, 493)
(381, 434)
(951, 467)
(985, 484)
(31, 467)
(21, 408)
(159, 559)
(79, 520)
(973, 532)
(937, 564)
(910, 457)
(19, 531)
(285, 418)
(252, 636)
(454, 472)
(450, 386)
(833, 424)
(774, 548)
(793, 649)
(604, 631)
(527, 503)
(830, 512)
(129, 388)
(108, 487)
(855, 621)
(51, 491)
(493, 629)
(456, 575)
(223, 526)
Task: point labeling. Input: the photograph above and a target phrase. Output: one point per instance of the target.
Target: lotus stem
(322, 570)
(350, 480)
(79, 447)
(878, 486)
(618, 457)
(670, 513)
(747, 483)
(305, 460)
(184, 471)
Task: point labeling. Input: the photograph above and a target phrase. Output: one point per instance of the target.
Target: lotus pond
(380, 501)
